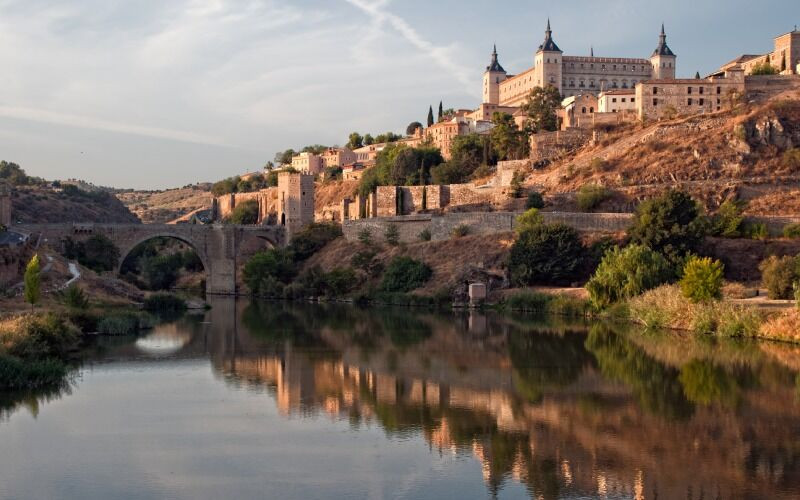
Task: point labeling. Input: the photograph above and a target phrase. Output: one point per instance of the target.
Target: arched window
(591, 110)
(583, 110)
(571, 82)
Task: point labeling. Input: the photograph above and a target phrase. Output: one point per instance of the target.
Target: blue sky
(162, 93)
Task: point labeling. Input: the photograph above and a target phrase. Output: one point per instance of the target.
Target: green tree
(284, 157)
(266, 268)
(508, 141)
(412, 127)
(540, 109)
(245, 213)
(626, 273)
(764, 68)
(13, 174)
(702, 279)
(528, 220)
(670, 224)
(161, 272)
(546, 254)
(534, 200)
(729, 221)
(355, 141)
(369, 140)
(404, 274)
(33, 283)
(441, 112)
(430, 116)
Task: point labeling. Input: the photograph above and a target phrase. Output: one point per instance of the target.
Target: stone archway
(125, 252)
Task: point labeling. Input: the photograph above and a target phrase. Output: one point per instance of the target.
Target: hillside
(154, 207)
(42, 203)
(737, 154)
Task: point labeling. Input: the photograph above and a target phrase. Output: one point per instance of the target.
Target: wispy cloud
(443, 56)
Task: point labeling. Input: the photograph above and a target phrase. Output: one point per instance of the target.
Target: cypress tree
(441, 111)
(697, 76)
(430, 115)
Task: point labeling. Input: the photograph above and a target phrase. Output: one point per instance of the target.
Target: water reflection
(563, 409)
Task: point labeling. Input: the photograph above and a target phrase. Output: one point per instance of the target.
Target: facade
(442, 134)
(785, 56)
(577, 111)
(658, 98)
(307, 163)
(295, 201)
(337, 157)
(620, 100)
(573, 75)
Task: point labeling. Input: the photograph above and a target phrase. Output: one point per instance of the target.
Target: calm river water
(261, 400)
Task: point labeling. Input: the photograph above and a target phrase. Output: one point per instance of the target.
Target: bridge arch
(128, 248)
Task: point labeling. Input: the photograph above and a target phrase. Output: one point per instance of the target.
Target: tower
(5, 205)
(663, 59)
(547, 62)
(492, 77)
(295, 201)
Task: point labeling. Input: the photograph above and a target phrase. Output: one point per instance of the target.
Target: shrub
(528, 220)
(363, 260)
(122, 324)
(75, 297)
(625, 273)
(17, 375)
(98, 252)
(670, 224)
(38, 336)
(562, 305)
(763, 68)
(791, 231)
(245, 213)
(599, 165)
(392, 235)
(534, 200)
(460, 231)
(756, 231)
(590, 196)
(778, 274)
(161, 272)
(545, 254)
(313, 238)
(425, 235)
(791, 159)
(702, 279)
(164, 302)
(404, 274)
(728, 220)
(365, 237)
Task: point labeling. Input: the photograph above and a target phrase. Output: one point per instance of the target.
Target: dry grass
(735, 290)
(784, 327)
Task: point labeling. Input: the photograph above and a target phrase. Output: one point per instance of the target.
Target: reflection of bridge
(221, 248)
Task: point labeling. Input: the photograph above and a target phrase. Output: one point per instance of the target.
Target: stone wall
(441, 226)
(549, 145)
(770, 84)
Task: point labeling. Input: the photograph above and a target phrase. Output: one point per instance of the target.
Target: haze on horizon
(156, 94)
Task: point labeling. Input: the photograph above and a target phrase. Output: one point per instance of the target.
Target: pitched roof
(495, 65)
(663, 49)
(548, 45)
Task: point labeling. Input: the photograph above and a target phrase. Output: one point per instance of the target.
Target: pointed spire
(494, 65)
(663, 33)
(662, 49)
(548, 27)
(549, 45)
(591, 51)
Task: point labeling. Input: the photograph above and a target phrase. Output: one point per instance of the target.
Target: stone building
(659, 98)
(295, 201)
(573, 75)
(620, 100)
(5, 205)
(577, 111)
(785, 57)
(337, 157)
(442, 134)
(307, 163)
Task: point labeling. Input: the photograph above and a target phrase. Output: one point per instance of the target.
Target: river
(275, 400)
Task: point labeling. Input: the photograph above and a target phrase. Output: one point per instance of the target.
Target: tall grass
(543, 303)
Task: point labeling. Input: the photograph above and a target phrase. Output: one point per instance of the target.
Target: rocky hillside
(750, 153)
(43, 203)
(154, 207)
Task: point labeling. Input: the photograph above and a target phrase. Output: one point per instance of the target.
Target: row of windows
(614, 67)
(689, 90)
(614, 83)
(614, 99)
(690, 102)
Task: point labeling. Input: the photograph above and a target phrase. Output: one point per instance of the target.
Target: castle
(573, 75)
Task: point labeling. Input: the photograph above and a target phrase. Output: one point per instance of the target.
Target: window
(718, 102)
(623, 99)
(701, 90)
(603, 67)
(655, 90)
(690, 101)
(719, 90)
(690, 90)
(591, 83)
(655, 102)
(613, 99)
(633, 99)
(615, 67)
(583, 110)
(702, 102)
(591, 110)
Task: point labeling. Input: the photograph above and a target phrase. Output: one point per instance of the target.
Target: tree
(702, 279)
(161, 272)
(245, 213)
(412, 128)
(468, 153)
(764, 68)
(355, 141)
(13, 174)
(546, 254)
(441, 112)
(670, 224)
(33, 281)
(697, 76)
(508, 141)
(534, 200)
(430, 116)
(528, 220)
(369, 140)
(540, 109)
(98, 252)
(284, 157)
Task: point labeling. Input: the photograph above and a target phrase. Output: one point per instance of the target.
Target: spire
(495, 65)
(549, 45)
(662, 49)
(591, 51)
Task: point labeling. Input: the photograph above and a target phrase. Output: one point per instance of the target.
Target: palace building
(574, 75)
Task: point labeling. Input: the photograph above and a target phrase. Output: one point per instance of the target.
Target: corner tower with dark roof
(663, 59)
(547, 62)
(492, 77)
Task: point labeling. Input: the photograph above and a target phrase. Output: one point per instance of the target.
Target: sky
(162, 93)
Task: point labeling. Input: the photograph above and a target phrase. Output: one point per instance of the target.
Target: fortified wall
(441, 227)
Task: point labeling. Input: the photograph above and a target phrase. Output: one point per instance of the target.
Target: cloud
(377, 10)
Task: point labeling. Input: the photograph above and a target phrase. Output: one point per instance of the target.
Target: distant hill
(44, 203)
(158, 207)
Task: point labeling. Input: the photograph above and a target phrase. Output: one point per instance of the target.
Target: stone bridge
(221, 248)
